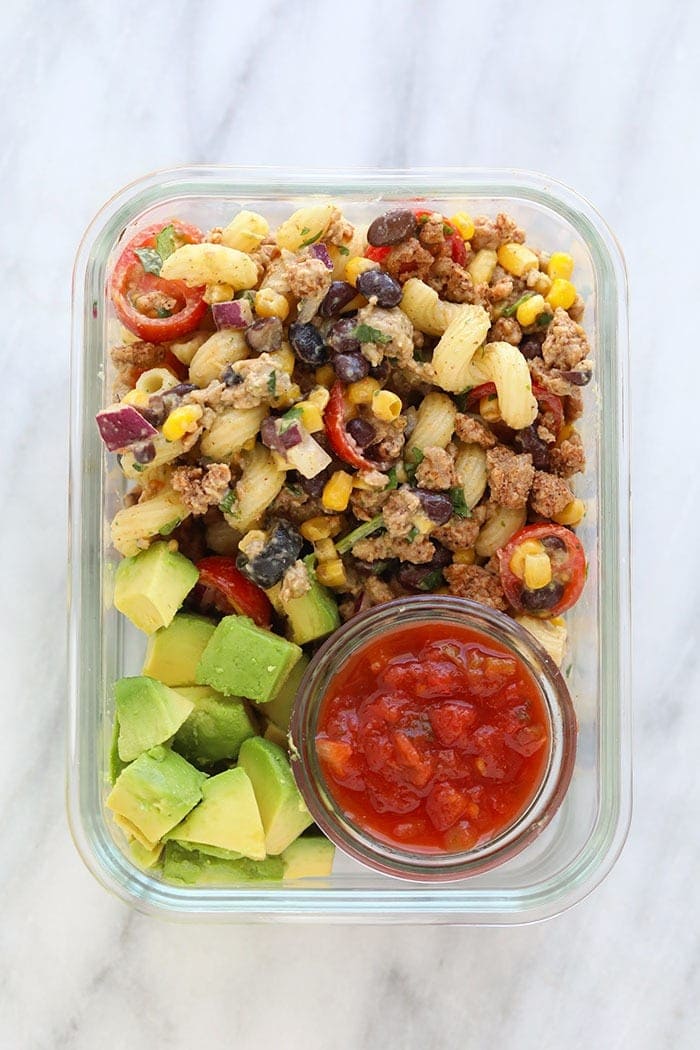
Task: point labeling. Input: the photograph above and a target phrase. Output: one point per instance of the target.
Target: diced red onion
(121, 426)
(237, 313)
(320, 251)
(291, 436)
(269, 435)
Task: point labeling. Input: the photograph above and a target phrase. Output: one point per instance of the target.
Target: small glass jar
(403, 862)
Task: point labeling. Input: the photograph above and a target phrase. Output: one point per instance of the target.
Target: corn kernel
(325, 549)
(332, 574)
(284, 358)
(528, 312)
(565, 433)
(538, 281)
(386, 405)
(562, 293)
(423, 523)
(319, 396)
(325, 375)
(464, 556)
(483, 265)
(537, 571)
(522, 551)
(357, 265)
(311, 416)
(252, 543)
(517, 258)
(337, 491)
(358, 482)
(560, 265)
(271, 304)
(137, 398)
(218, 293)
(463, 223)
(320, 527)
(181, 421)
(572, 514)
(489, 408)
(362, 392)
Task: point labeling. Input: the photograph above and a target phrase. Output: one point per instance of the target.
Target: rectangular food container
(575, 852)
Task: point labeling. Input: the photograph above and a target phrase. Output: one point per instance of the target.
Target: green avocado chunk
(279, 709)
(201, 869)
(283, 810)
(313, 615)
(308, 856)
(173, 652)
(227, 817)
(149, 713)
(115, 763)
(155, 792)
(216, 728)
(145, 858)
(244, 660)
(151, 586)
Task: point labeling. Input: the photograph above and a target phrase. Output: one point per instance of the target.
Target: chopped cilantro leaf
(166, 242)
(447, 229)
(138, 467)
(432, 580)
(412, 534)
(459, 504)
(272, 383)
(227, 502)
(343, 250)
(422, 219)
(393, 480)
(294, 490)
(366, 334)
(311, 240)
(150, 260)
(305, 231)
(290, 417)
(544, 319)
(417, 456)
(162, 312)
(510, 310)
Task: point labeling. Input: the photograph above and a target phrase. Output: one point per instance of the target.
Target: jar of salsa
(432, 738)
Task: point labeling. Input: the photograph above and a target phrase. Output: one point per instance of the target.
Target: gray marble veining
(603, 97)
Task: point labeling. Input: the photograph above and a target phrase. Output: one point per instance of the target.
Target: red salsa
(433, 737)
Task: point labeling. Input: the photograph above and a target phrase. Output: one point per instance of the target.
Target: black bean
(307, 343)
(380, 371)
(581, 378)
(528, 440)
(229, 377)
(264, 335)
(419, 577)
(553, 543)
(543, 597)
(362, 432)
(382, 286)
(314, 486)
(391, 228)
(350, 367)
(436, 505)
(281, 550)
(341, 339)
(442, 556)
(181, 389)
(156, 411)
(531, 347)
(144, 452)
(338, 295)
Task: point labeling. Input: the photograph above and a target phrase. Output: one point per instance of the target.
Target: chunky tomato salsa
(433, 737)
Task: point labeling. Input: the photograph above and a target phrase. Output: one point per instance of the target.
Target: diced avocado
(201, 869)
(149, 713)
(151, 586)
(275, 734)
(145, 858)
(133, 833)
(308, 856)
(313, 615)
(279, 709)
(244, 660)
(283, 810)
(173, 652)
(201, 847)
(115, 763)
(156, 791)
(227, 817)
(216, 728)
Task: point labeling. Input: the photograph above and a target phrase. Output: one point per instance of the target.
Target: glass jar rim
(390, 859)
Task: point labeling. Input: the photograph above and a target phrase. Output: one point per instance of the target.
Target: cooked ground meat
(201, 487)
(492, 233)
(549, 494)
(477, 584)
(566, 343)
(264, 256)
(390, 438)
(376, 592)
(409, 259)
(295, 582)
(400, 512)
(366, 504)
(296, 506)
(374, 478)
(473, 431)
(308, 277)
(140, 355)
(262, 383)
(510, 476)
(502, 288)
(436, 470)
(379, 548)
(458, 532)
(430, 232)
(397, 326)
(573, 405)
(506, 330)
(568, 458)
(451, 281)
(577, 309)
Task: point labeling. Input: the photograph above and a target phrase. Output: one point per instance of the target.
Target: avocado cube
(283, 810)
(115, 763)
(308, 856)
(173, 652)
(244, 660)
(216, 728)
(201, 869)
(312, 615)
(133, 833)
(145, 858)
(227, 817)
(156, 791)
(149, 713)
(151, 586)
(279, 709)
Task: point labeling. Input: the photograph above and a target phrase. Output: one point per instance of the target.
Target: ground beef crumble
(506, 330)
(458, 533)
(451, 281)
(409, 259)
(473, 431)
(510, 476)
(400, 511)
(549, 494)
(308, 277)
(366, 504)
(492, 233)
(436, 470)
(295, 506)
(477, 584)
(295, 582)
(261, 382)
(379, 548)
(568, 458)
(201, 487)
(566, 343)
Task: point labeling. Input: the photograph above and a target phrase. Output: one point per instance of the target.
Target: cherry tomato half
(379, 254)
(233, 592)
(568, 563)
(342, 443)
(458, 249)
(149, 306)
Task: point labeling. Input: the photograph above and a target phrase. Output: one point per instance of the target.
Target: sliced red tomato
(149, 306)
(378, 254)
(342, 443)
(233, 592)
(568, 562)
(548, 403)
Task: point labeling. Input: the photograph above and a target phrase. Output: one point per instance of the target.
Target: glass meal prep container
(575, 851)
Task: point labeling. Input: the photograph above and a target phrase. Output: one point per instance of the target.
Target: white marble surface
(603, 96)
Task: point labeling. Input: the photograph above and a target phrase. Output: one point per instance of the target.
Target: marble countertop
(602, 97)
